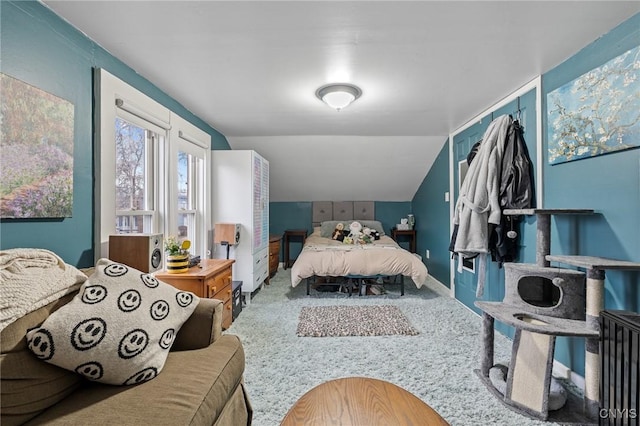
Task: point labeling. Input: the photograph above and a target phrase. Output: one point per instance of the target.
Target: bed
(322, 256)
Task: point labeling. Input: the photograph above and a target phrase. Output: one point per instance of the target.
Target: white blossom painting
(598, 112)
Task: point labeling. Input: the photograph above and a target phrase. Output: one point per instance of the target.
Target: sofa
(201, 382)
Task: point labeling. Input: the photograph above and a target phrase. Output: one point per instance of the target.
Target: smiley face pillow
(118, 329)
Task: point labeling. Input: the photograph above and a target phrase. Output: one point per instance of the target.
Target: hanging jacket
(516, 192)
(478, 203)
(516, 178)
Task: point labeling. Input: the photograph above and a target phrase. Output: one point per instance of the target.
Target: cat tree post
(487, 342)
(543, 238)
(595, 267)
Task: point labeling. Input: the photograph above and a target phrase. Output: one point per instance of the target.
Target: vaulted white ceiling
(250, 69)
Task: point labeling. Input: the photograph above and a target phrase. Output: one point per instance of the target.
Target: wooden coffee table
(360, 401)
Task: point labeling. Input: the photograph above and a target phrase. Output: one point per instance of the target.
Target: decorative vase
(177, 263)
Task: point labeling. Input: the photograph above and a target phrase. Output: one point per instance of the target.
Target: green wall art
(598, 112)
(36, 165)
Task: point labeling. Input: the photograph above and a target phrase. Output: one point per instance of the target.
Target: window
(135, 181)
(151, 169)
(188, 189)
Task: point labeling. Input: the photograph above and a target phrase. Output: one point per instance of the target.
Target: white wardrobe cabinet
(241, 195)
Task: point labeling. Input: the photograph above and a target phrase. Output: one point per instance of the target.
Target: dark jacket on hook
(516, 192)
(516, 178)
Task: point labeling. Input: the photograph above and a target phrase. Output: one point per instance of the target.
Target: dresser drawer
(260, 259)
(227, 313)
(260, 275)
(219, 286)
(223, 294)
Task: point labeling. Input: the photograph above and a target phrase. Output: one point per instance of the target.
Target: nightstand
(289, 235)
(405, 234)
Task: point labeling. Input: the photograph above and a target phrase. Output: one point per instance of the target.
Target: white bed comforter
(326, 257)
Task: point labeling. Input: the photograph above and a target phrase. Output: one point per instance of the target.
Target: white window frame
(115, 98)
(187, 138)
(152, 149)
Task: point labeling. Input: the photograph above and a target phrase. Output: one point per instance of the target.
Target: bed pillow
(118, 329)
(327, 227)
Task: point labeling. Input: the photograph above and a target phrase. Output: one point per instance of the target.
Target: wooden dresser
(212, 279)
(274, 254)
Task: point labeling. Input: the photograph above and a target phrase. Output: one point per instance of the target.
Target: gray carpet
(436, 365)
(341, 320)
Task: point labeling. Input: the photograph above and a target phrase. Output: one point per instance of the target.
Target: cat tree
(542, 303)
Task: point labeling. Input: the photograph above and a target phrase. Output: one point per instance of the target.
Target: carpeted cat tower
(541, 303)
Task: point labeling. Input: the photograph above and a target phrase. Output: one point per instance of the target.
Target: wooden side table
(361, 401)
(411, 233)
(292, 234)
(211, 279)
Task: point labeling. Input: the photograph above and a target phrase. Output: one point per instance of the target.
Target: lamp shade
(338, 96)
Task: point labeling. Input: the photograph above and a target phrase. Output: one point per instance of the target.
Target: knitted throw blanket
(32, 278)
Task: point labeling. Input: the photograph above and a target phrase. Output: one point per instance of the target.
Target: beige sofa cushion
(195, 387)
(28, 385)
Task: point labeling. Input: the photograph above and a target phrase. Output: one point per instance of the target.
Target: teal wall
(41, 49)
(433, 217)
(389, 213)
(289, 215)
(609, 184)
(298, 215)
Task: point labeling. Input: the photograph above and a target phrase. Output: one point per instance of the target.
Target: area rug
(335, 321)
(436, 365)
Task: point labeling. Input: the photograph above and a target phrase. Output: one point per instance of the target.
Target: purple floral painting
(36, 152)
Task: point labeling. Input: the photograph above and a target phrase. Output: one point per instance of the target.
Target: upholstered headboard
(342, 210)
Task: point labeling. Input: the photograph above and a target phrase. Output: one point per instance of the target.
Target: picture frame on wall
(37, 140)
(597, 113)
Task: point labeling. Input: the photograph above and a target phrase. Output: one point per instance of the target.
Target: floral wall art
(598, 112)
(36, 145)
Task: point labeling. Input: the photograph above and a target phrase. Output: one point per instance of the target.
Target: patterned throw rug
(334, 321)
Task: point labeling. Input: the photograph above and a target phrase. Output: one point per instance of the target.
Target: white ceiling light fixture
(338, 95)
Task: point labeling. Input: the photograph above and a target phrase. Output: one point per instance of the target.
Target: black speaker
(140, 251)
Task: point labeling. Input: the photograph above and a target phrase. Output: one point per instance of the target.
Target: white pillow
(118, 329)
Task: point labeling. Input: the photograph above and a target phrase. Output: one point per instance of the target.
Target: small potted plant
(177, 255)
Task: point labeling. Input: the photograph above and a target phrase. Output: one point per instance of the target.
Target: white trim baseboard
(562, 371)
(438, 287)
